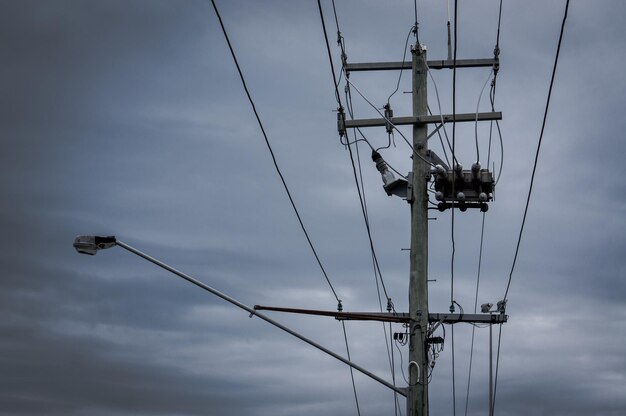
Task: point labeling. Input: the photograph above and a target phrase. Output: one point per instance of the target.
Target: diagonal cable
(269, 147)
(530, 189)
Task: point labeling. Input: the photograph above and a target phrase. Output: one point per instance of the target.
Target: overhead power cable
(480, 257)
(452, 301)
(532, 176)
(530, 188)
(499, 21)
(492, 96)
(378, 276)
(361, 193)
(330, 56)
(285, 183)
(443, 125)
(482, 227)
(417, 39)
(415, 152)
(356, 397)
(480, 96)
(269, 147)
(406, 44)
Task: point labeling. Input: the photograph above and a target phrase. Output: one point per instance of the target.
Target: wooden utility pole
(418, 318)
(455, 188)
(417, 398)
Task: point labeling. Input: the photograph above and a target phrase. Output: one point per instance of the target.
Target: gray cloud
(128, 118)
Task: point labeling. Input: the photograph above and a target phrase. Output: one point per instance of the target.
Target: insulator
(341, 122)
(388, 117)
(381, 165)
(460, 196)
(482, 197)
(439, 196)
(387, 176)
(476, 170)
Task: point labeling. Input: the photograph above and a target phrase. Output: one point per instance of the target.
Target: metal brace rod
(432, 64)
(399, 317)
(259, 315)
(447, 118)
(475, 318)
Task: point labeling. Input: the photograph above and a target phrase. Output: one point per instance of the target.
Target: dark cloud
(128, 118)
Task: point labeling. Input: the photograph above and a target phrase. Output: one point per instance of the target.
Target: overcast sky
(127, 118)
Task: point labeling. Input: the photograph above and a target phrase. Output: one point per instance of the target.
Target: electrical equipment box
(463, 188)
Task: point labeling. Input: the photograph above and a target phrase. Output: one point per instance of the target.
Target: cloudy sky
(127, 118)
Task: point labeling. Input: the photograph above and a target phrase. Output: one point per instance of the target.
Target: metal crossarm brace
(475, 318)
(399, 317)
(447, 118)
(432, 64)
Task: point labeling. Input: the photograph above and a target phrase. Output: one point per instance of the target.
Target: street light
(90, 244)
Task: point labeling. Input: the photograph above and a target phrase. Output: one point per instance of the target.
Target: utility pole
(417, 398)
(454, 188)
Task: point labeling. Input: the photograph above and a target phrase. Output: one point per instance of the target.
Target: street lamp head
(90, 244)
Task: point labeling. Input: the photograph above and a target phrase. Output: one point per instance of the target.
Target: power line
(482, 227)
(406, 44)
(360, 189)
(480, 96)
(452, 207)
(482, 231)
(532, 176)
(338, 97)
(492, 99)
(356, 397)
(417, 39)
(361, 193)
(498, 33)
(454, 160)
(492, 95)
(532, 179)
(330, 57)
(415, 152)
(377, 272)
(480, 258)
(495, 382)
(269, 147)
(445, 154)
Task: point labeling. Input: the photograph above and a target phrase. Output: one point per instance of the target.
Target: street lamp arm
(241, 306)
